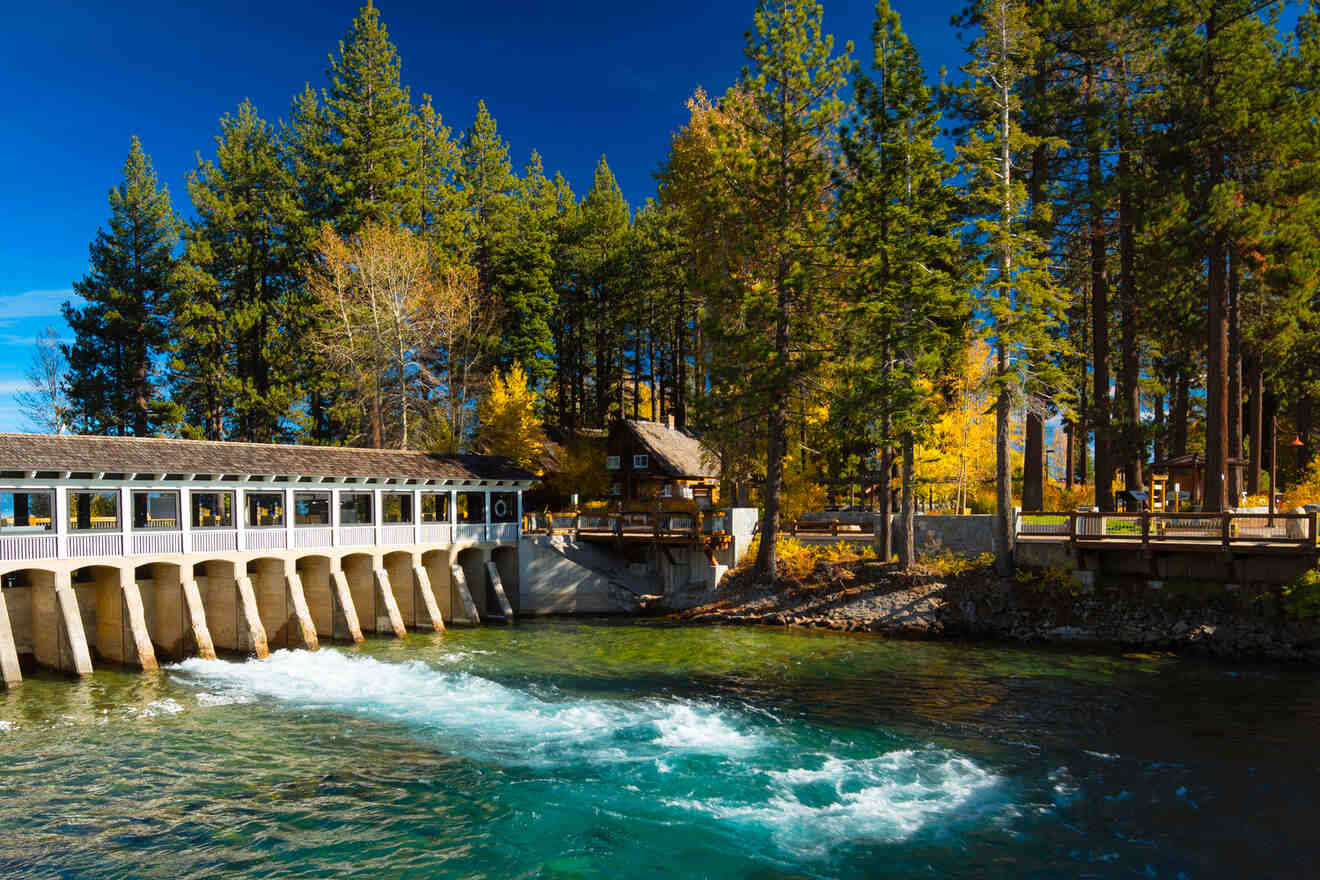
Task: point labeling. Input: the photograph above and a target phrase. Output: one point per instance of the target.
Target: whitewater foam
(887, 798)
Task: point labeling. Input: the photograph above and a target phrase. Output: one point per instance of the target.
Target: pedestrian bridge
(133, 550)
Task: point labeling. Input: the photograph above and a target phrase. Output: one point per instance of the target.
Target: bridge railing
(667, 524)
(1224, 529)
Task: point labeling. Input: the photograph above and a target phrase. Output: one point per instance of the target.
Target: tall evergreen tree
(114, 385)
(900, 227)
(769, 311)
(234, 358)
(371, 128)
(1017, 293)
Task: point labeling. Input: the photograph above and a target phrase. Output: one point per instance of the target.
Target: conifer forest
(1105, 228)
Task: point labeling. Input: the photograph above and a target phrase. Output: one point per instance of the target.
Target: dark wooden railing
(1224, 529)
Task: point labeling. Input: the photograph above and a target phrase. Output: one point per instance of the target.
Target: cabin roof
(82, 453)
(676, 452)
(1194, 460)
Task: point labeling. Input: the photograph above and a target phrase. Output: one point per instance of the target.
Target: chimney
(669, 420)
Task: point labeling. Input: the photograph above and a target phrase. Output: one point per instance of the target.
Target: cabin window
(155, 510)
(641, 462)
(666, 491)
(212, 510)
(435, 507)
(355, 509)
(26, 512)
(93, 511)
(503, 507)
(611, 462)
(264, 509)
(311, 509)
(472, 507)
(396, 507)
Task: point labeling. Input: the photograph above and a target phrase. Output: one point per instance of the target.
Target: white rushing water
(702, 760)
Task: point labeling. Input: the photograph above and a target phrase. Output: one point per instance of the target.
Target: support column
(422, 586)
(459, 581)
(250, 617)
(61, 524)
(486, 506)
(345, 613)
(11, 676)
(185, 517)
(240, 518)
(385, 596)
(126, 518)
(293, 584)
(493, 572)
(135, 619)
(192, 600)
(375, 513)
(79, 658)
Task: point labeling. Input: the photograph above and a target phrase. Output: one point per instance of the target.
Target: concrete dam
(136, 551)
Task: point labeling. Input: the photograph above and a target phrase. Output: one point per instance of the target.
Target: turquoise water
(596, 749)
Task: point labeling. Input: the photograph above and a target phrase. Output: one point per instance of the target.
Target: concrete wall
(960, 535)
(560, 575)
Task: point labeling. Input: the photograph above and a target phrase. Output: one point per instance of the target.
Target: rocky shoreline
(872, 597)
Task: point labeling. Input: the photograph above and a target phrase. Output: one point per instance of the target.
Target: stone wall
(960, 535)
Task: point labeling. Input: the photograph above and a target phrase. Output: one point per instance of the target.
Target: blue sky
(574, 80)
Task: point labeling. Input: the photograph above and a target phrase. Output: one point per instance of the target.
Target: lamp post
(1274, 461)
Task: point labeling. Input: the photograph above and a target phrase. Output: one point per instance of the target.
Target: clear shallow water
(593, 749)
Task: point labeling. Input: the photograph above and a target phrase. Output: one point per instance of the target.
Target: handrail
(1147, 528)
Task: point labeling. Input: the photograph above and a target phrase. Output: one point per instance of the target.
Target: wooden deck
(1284, 533)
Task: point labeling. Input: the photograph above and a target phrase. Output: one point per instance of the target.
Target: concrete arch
(398, 565)
(437, 563)
(113, 613)
(231, 610)
(315, 571)
(281, 604)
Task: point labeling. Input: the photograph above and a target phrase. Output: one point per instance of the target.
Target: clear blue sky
(573, 80)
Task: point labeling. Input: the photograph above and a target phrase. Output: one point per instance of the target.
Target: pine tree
(113, 384)
(769, 312)
(234, 359)
(371, 128)
(601, 240)
(1017, 293)
(900, 226)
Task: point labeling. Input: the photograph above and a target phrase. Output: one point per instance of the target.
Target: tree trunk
(1003, 477)
(884, 532)
(1234, 384)
(1255, 422)
(1129, 356)
(1033, 462)
(1178, 416)
(1068, 466)
(1104, 463)
(907, 551)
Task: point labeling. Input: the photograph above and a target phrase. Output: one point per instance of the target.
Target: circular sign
(500, 508)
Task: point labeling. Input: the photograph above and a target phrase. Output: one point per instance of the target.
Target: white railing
(434, 533)
(504, 532)
(469, 532)
(17, 547)
(266, 539)
(104, 544)
(353, 536)
(214, 540)
(313, 536)
(157, 542)
(397, 534)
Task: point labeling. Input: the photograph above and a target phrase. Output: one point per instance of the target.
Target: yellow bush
(797, 560)
(1307, 488)
(1057, 498)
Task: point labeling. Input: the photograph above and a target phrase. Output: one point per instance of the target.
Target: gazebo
(1188, 473)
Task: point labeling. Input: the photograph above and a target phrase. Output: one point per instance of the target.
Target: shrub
(797, 560)
(1301, 598)
(946, 563)
(1048, 582)
(1307, 488)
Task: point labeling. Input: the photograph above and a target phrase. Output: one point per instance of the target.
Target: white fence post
(185, 517)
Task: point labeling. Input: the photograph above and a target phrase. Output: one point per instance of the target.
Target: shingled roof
(676, 452)
(150, 455)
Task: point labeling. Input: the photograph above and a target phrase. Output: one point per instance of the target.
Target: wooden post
(1072, 527)
(1225, 521)
(1145, 529)
(1314, 526)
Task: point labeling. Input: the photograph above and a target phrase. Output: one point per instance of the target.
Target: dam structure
(138, 550)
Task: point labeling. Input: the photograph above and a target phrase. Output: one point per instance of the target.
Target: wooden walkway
(1285, 533)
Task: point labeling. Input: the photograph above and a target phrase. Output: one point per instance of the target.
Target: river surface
(565, 749)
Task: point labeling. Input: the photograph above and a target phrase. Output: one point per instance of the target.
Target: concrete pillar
(196, 611)
(345, 613)
(293, 585)
(271, 590)
(493, 572)
(135, 622)
(317, 590)
(385, 602)
(73, 655)
(358, 570)
(399, 567)
(464, 596)
(11, 676)
(253, 632)
(162, 597)
(422, 587)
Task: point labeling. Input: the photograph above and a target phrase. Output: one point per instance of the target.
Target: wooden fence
(1154, 529)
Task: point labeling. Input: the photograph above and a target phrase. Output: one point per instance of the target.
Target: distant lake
(607, 749)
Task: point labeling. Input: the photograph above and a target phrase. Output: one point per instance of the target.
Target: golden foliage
(1306, 490)
(959, 458)
(509, 426)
